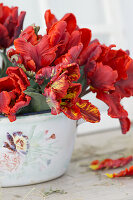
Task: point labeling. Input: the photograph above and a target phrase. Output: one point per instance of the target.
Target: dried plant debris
(54, 191)
(35, 192)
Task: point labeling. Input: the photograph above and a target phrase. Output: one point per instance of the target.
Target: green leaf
(38, 102)
(34, 87)
(6, 64)
(82, 79)
(43, 86)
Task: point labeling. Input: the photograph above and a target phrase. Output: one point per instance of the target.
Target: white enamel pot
(35, 148)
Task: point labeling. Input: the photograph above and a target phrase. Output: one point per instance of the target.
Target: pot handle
(80, 121)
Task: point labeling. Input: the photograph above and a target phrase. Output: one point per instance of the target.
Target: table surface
(79, 182)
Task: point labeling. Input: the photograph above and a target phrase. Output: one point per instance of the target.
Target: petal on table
(109, 163)
(123, 173)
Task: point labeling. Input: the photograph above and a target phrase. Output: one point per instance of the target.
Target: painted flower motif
(9, 162)
(10, 25)
(43, 148)
(49, 136)
(17, 142)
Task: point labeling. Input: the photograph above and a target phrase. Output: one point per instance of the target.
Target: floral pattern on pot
(20, 151)
(9, 162)
(17, 142)
(43, 147)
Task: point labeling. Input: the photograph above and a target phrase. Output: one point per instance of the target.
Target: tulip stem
(4, 51)
(83, 93)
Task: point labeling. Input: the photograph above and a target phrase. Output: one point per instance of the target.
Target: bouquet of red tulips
(55, 70)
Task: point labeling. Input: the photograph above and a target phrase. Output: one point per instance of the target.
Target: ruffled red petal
(13, 25)
(42, 54)
(20, 76)
(85, 36)
(56, 32)
(4, 37)
(50, 19)
(71, 56)
(125, 87)
(5, 100)
(102, 77)
(116, 59)
(74, 40)
(93, 50)
(21, 102)
(29, 35)
(115, 110)
(19, 26)
(70, 19)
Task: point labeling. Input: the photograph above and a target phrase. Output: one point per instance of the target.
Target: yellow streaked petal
(94, 167)
(109, 175)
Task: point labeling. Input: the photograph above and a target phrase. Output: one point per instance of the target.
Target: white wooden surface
(79, 182)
